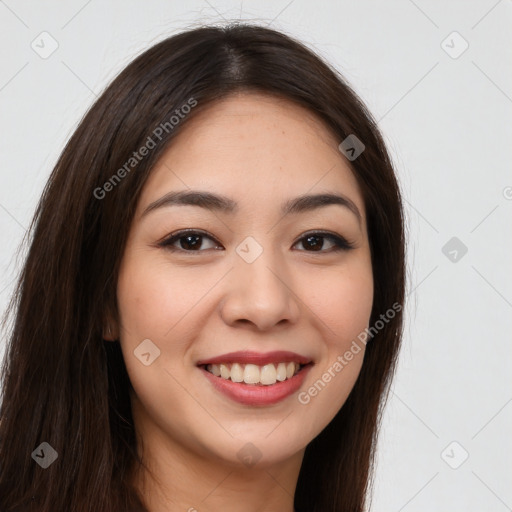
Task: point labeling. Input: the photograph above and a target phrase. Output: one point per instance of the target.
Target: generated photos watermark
(304, 397)
(145, 149)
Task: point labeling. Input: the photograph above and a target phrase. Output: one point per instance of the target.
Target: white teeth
(269, 374)
(237, 373)
(290, 370)
(224, 371)
(253, 374)
(282, 371)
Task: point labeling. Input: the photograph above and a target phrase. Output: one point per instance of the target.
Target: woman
(211, 307)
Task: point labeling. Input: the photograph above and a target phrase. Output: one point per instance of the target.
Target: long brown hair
(62, 383)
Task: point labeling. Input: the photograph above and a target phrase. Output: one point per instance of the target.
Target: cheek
(155, 299)
(342, 308)
(156, 303)
(142, 300)
(343, 302)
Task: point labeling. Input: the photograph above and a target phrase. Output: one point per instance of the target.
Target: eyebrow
(210, 201)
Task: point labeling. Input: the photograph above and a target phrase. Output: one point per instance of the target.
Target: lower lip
(249, 394)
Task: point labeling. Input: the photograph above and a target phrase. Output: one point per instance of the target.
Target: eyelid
(338, 239)
(340, 242)
(166, 241)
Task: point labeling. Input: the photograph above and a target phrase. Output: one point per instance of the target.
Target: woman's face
(247, 277)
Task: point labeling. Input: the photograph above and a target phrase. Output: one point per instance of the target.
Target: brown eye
(193, 241)
(187, 241)
(315, 242)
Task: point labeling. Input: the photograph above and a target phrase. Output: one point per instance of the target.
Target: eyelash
(340, 243)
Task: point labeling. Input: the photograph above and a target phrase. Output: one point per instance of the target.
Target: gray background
(445, 115)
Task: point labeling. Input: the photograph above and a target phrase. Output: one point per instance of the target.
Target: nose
(260, 294)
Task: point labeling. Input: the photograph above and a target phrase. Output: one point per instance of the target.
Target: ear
(110, 328)
(108, 335)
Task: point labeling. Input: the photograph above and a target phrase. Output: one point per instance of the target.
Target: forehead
(254, 146)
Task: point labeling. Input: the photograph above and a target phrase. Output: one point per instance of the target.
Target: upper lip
(257, 358)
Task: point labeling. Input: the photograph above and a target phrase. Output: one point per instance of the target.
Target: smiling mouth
(254, 375)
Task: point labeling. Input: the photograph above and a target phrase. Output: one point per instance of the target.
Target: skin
(258, 151)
